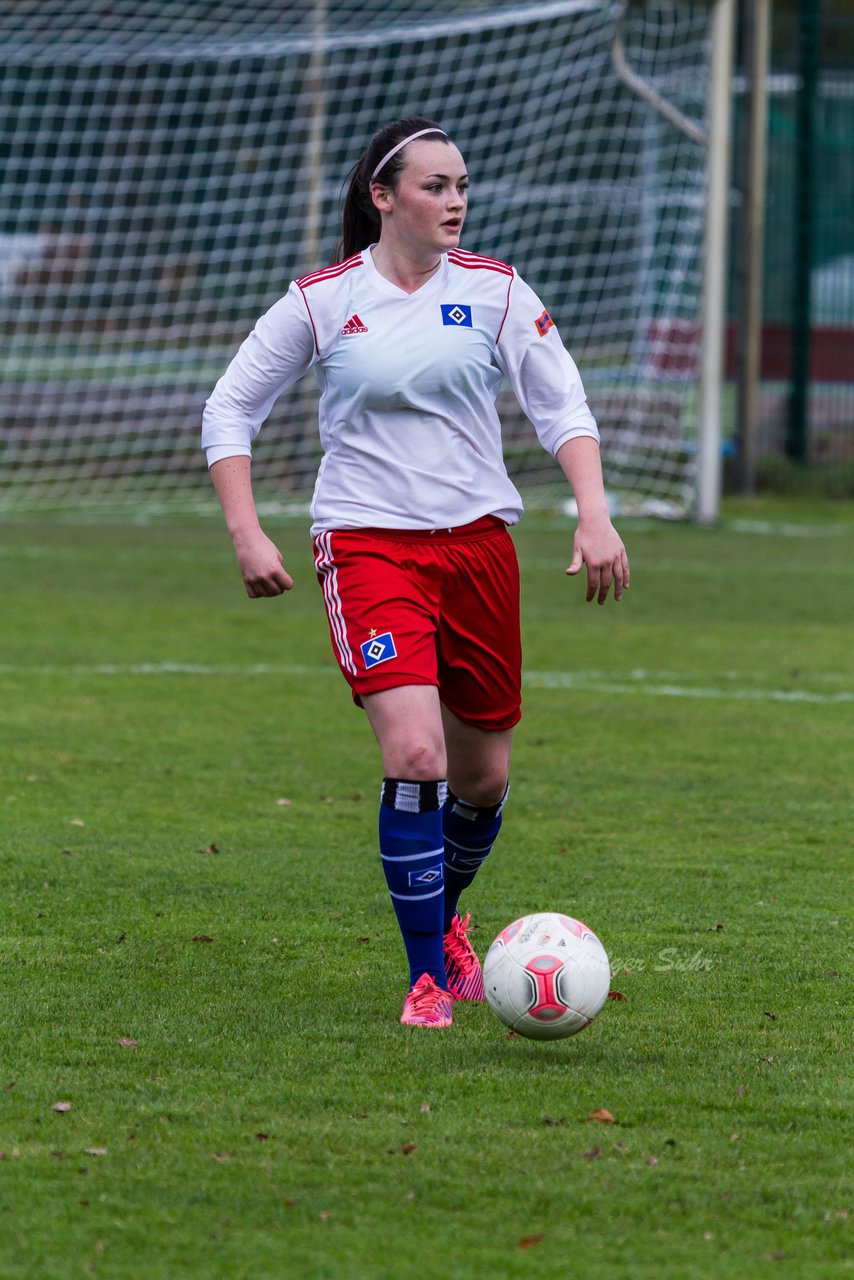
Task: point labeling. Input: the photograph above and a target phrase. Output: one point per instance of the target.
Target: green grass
(682, 781)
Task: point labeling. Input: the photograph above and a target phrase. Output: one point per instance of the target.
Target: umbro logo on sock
(354, 325)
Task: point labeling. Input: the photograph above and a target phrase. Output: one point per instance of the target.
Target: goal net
(168, 166)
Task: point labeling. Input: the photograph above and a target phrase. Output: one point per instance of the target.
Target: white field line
(783, 529)
(141, 514)
(640, 682)
(581, 683)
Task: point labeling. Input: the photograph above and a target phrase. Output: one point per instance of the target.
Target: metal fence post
(809, 44)
(709, 480)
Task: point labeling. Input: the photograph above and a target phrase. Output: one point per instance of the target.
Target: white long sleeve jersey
(410, 434)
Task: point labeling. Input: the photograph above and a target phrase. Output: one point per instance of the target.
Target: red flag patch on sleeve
(544, 323)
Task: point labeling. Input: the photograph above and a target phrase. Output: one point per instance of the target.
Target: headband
(382, 164)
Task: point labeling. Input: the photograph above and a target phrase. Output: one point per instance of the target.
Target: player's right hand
(260, 563)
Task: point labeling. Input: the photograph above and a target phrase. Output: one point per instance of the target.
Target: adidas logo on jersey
(353, 325)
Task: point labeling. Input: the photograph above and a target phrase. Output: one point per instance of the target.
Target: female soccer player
(410, 338)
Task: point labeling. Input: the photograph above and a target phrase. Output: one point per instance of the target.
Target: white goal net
(167, 166)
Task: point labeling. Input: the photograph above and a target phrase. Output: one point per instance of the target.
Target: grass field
(199, 957)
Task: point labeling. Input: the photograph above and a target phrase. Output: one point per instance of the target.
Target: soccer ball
(546, 976)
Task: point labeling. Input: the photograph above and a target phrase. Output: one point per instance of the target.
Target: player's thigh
(407, 723)
(478, 760)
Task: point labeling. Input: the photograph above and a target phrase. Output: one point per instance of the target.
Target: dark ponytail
(360, 220)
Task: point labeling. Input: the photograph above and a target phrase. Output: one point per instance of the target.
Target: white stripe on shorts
(325, 565)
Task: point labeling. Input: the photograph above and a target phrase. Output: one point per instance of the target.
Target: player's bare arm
(258, 558)
(596, 543)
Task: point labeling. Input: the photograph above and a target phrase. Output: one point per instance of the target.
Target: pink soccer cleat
(465, 979)
(427, 1005)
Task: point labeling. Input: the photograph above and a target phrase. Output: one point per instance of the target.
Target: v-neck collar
(380, 282)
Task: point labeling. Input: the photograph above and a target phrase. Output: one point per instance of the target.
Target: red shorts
(414, 607)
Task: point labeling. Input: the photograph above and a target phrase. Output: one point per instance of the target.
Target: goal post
(167, 169)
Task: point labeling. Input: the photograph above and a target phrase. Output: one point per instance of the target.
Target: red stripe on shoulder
(478, 262)
(329, 273)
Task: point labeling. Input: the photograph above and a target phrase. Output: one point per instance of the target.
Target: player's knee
(422, 761)
(415, 757)
(484, 787)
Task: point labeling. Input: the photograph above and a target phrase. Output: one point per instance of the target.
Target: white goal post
(168, 167)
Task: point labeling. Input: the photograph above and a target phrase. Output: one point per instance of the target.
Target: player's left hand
(598, 546)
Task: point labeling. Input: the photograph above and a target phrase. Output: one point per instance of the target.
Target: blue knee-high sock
(470, 831)
(412, 855)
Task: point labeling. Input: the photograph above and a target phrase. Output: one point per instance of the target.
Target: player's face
(427, 210)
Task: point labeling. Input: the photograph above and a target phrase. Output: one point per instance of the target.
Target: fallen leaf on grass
(553, 1120)
(284, 801)
(602, 1116)
(324, 1216)
(202, 937)
(652, 1160)
(210, 848)
(61, 1107)
(772, 1016)
(408, 1148)
(363, 939)
(96, 1151)
(528, 1242)
(512, 1035)
(425, 1107)
(733, 1137)
(220, 1157)
(10, 1085)
(716, 928)
(127, 1043)
(75, 822)
(593, 1154)
(263, 1137)
(616, 995)
(739, 1091)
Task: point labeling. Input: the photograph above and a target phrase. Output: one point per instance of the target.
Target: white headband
(382, 164)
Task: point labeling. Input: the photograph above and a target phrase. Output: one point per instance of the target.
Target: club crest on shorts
(378, 649)
(454, 313)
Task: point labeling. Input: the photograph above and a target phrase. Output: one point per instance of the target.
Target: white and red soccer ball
(546, 976)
